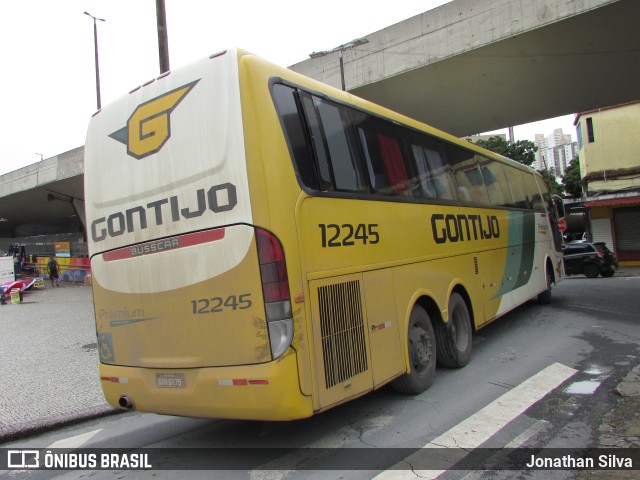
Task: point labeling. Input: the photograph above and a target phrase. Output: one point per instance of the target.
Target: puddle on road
(594, 371)
(582, 388)
(598, 370)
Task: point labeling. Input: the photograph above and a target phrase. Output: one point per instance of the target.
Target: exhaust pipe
(125, 402)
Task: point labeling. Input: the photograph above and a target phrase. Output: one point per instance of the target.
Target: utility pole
(340, 50)
(163, 42)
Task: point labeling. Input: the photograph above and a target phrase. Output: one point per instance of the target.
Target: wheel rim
(421, 349)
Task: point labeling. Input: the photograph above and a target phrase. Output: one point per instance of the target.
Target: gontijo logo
(149, 127)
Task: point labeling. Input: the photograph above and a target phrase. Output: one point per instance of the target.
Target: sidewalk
(49, 363)
(633, 271)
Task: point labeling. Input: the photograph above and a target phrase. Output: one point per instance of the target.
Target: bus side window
(347, 171)
(426, 184)
(516, 186)
(441, 172)
(382, 146)
(471, 187)
(532, 192)
(377, 175)
(292, 124)
(530, 188)
(317, 141)
(434, 178)
(394, 164)
(496, 181)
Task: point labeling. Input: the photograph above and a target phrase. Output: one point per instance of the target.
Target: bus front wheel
(454, 337)
(422, 354)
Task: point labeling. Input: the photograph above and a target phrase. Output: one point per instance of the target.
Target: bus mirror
(558, 203)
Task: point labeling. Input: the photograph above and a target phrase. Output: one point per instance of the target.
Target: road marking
(75, 442)
(535, 429)
(282, 467)
(478, 428)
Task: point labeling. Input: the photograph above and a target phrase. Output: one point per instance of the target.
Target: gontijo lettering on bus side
(458, 228)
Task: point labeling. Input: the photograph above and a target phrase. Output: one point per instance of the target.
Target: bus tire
(421, 348)
(454, 337)
(545, 297)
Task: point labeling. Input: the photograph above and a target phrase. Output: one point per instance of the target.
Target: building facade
(610, 172)
(555, 152)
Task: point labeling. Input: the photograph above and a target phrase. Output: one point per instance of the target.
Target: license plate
(171, 380)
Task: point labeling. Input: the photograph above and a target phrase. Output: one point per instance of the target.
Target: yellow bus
(264, 246)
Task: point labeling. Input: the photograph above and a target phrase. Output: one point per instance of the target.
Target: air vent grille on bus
(475, 264)
(342, 329)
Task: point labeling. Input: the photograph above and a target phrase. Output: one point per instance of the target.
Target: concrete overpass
(466, 67)
(44, 198)
(473, 66)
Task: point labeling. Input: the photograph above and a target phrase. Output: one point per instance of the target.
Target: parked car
(575, 237)
(592, 259)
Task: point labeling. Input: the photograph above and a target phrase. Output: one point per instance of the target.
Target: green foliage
(552, 183)
(522, 151)
(571, 180)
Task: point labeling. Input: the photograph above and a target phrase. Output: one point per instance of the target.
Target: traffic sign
(562, 224)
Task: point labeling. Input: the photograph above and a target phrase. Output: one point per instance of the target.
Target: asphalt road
(590, 331)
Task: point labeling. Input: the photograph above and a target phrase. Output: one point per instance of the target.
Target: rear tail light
(275, 289)
(600, 254)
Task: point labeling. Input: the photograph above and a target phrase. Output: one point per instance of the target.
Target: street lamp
(340, 49)
(41, 156)
(95, 41)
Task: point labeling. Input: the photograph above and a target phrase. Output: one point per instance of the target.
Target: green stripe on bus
(520, 251)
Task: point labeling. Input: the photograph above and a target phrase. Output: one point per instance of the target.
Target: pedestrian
(54, 270)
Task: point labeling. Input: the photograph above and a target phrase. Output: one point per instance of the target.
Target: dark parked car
(592, 259)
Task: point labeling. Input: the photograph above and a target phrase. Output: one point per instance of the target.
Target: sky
(47, 77)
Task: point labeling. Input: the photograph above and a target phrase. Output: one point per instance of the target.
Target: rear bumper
(608, 267)
(268, 391)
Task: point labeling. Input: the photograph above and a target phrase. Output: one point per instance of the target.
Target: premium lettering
(218, 198)
(461, 228)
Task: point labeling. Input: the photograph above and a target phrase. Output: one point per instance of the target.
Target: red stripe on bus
(171, 243)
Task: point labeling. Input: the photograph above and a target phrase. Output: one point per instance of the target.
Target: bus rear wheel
(422, 354)
(454, 337)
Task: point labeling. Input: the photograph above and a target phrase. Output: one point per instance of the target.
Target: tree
(522, 151)
(572, 180)
(552, 182)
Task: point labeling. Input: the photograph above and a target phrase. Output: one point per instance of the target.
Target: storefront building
(610, 172)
